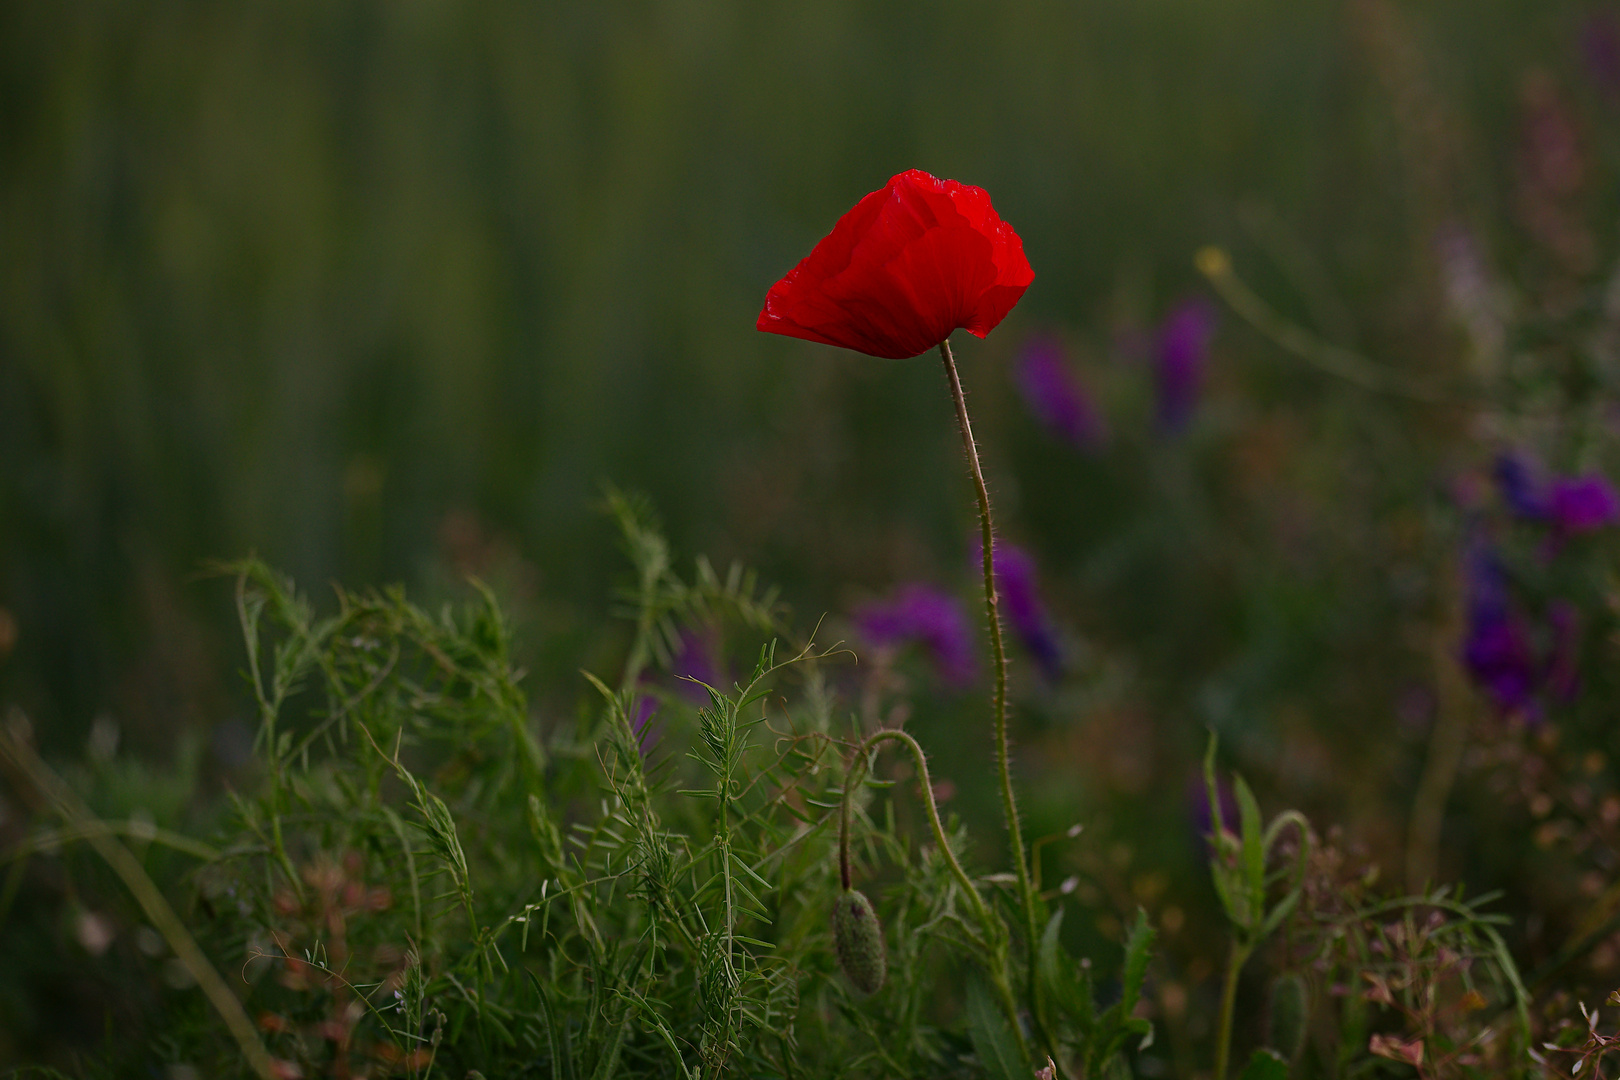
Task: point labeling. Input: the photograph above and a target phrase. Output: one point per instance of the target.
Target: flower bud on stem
(852, 779)
(858, 941)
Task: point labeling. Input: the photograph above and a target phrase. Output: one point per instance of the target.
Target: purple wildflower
(1498, 655)
(1497, 651)
(1581, 504)
(694, 662)
(1183, 349)
(1055, 395)
(1021, 602)
(920, 613)
(1571, 504)
(1521, 487)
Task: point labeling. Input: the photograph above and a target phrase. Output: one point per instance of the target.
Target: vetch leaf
(562, 1054)
(1137, 949)
(1062, 989)
(1254, 851)
(1116, 1024)
(992, 1040)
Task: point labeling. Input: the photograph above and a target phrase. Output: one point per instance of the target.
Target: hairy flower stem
(1223, 1031)
(857, 772)
(1009, 805)
(852, 779)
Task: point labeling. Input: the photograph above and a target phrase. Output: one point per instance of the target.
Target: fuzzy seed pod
(858, 941)
(1290, 1012)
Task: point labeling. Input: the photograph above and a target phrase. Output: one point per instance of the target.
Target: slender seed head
(858, 941)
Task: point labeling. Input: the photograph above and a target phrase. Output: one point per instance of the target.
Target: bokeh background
(387, 292)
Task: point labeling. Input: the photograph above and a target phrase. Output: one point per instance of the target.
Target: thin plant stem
(269, 708)
(1009, 804)
(1223, 1032)
(857, 771)
(52, 838)
(1447, 742)
(72, 809)
(1346, 364)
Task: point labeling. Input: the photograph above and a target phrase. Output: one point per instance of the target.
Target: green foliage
(993, 1040)
(1239, 861)
(422, 885)
(1097, 1035)
(1288, 1013)
(608, 921)
(329, 281)
(1430, 965)
(1265, 1065)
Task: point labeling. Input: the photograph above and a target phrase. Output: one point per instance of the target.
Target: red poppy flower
(909, 264)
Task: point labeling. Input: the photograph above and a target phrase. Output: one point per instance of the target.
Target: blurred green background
(315, 279)
(387, 291)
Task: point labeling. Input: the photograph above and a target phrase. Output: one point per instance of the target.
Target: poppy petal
(907, 265)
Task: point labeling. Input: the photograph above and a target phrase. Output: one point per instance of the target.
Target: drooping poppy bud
(911, 262)
(858, 941)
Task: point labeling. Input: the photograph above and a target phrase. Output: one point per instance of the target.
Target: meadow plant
(1181, 353)
(920, 614)
(421, 886)
(1056, 397)
(710, 868)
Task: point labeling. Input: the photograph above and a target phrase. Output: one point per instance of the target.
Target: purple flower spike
(1021, 601)
(1497, 651)
(1521, 487)
(920, 613)
(695, 659)
(1583, 504)
(1183, 349)
(1498, 655)
(1055, 396)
